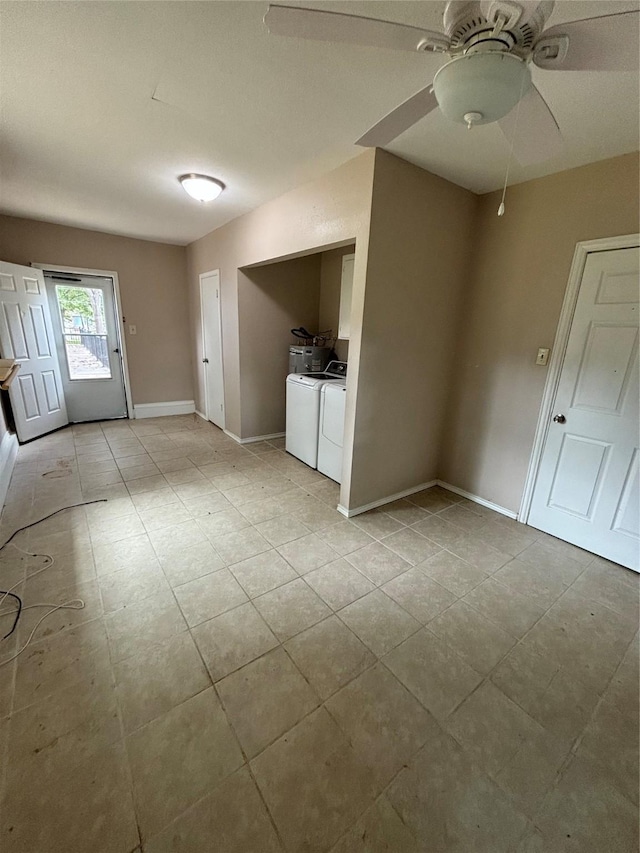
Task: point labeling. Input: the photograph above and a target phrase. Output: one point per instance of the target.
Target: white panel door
(26, 335)
(213, 376)
(586, 490)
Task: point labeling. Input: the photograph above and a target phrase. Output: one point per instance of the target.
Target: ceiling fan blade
(400, 119)
(353, 29)
(607, 43)
(537, 135)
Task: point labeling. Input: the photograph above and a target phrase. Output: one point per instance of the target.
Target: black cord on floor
(5, 593)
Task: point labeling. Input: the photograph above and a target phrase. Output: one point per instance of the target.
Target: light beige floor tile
(405, 512)
(154, 681)
(68, 726)
(379, 622)
(586, 813)
(433, 499)
(329, 655)
(153, 483)
(219, 523)
(190, 563)
(178, 758)
(377, 523)
(453, 573)
(439, 530)
(240, 545)
(462, 517)
(345, 537)
(549, 693)
(233, 814)
(283, 529)
(420, 596)
(161, 517)
(479, 642)
(263, 573)
(510, 540)
(129, 554)
(68, 808)
(379, 830)
(119, 589)
(449, 804)
(307, 553)
(312, 810)
(139, 625)
(233, 639)
(173, 539)
(59, 661)
(378, 563)
(184, 475)
(67, 570)
(513, 612)
(611, 741)
(291, 608)
(265, 699)
(541, 585)
(133, 461)
(434, 673)
(86, 594)
(411, 546)
(508, 745)
(138, 472)
(178, 463)
(205, 506)
(338, 583)
(154, 499)
(116, 530)
(385, 724)
(611, 585)
(208, 596)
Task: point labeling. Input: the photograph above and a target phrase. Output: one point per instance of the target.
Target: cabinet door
(346, 290)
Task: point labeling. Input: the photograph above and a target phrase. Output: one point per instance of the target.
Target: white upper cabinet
(346, 291)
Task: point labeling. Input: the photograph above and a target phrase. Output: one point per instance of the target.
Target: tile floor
(253, 673)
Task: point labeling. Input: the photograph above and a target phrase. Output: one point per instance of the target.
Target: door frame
(203, 371)
(120, 328)
(556, 363)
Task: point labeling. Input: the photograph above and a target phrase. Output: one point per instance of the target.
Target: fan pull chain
(513, 139)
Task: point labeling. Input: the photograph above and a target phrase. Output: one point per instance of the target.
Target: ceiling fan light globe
(489, 83)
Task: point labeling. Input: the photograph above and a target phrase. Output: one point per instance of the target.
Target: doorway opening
(85, 318)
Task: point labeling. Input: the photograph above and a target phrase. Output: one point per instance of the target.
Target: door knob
(205, 361)
(559, 419)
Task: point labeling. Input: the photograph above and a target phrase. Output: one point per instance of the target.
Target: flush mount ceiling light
(201, 187)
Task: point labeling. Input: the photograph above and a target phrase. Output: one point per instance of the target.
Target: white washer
(331, 431)
(303, 410)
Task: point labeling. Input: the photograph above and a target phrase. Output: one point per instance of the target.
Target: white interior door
(84, 323)
(588, 481)
(213, 377)
(26, 334)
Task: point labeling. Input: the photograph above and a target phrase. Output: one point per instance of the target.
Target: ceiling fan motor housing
(486, 85)
(469, 22)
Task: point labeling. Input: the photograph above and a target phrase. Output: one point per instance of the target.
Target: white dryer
(303, 410)
(331, 431)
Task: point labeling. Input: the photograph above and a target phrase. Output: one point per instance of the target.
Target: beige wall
(272, 300)
(327, 212)
(404, 326)
(512, 306)
(330, 287)
(153, 289)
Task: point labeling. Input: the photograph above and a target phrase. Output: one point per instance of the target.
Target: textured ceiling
(105, 104)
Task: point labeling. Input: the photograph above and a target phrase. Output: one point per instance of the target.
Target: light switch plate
(133, 330)
(543, 355)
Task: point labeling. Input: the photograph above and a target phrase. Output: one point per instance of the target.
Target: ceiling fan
(490, 45)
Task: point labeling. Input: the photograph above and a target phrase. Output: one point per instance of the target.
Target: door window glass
(85, 331)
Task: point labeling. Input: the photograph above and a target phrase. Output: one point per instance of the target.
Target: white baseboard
(159, 410)
(253, 438)
(349, 513)
(8, 454)
(489, 504)
(358, 510)
(200, 415)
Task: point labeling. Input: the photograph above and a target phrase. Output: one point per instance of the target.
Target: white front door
(212, 347)
(84, 322)
(587, 486)
(26, 334)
